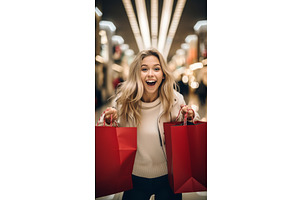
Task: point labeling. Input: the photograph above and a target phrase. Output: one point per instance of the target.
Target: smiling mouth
(151, 83)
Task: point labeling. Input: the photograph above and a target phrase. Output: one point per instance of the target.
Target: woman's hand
(110, 112)
(186, 108)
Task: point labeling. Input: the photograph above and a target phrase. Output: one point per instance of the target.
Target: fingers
(190, 114)
(189, 110)
(110, 113)
(184, 109)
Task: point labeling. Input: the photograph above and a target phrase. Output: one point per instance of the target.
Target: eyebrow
(153, 65)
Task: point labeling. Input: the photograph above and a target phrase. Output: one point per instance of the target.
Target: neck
(149, 98)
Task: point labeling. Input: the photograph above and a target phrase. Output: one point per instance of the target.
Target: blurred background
(177, 28)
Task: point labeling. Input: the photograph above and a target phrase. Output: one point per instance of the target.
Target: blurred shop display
(190, 67)
(112, 60)
(202, 77)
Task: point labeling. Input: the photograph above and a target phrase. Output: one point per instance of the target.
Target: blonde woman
(146, 100)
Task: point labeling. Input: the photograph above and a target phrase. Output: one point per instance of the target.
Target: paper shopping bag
(186, 148)
(115, 149)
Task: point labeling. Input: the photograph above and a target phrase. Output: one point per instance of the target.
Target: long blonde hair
(130, 92)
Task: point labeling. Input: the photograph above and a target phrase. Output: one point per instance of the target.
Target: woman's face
(151, 76)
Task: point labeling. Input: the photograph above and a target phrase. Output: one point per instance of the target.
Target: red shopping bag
(186, 147)
(115, 149)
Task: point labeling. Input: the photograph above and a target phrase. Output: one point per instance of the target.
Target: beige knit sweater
(150, 161)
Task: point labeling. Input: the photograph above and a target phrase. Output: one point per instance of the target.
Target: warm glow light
(103, 40)
(185, 79)
(117, 68)
(99, 59)
(195, 66)
(194, 85)
(188, 72)
(102, 33)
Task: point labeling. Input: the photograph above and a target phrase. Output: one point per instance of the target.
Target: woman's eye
(157, 69)
(144, 69)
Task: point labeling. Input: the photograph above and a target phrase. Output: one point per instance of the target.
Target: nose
(150, 72)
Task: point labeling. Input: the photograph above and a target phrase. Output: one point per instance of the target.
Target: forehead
(150, 60)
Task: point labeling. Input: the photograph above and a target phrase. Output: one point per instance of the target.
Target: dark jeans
(143, 188)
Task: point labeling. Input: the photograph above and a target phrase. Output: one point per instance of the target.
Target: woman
(146, 100)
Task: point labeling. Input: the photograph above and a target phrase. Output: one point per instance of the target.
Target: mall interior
(178, 29)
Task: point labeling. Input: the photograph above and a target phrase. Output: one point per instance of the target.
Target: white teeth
(150, 81)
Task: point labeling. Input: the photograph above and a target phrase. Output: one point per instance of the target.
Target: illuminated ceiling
(149, 20)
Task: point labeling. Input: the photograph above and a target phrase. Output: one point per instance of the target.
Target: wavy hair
(130, 92)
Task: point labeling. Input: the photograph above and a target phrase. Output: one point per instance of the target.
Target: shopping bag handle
(116, 124)
(185, 115)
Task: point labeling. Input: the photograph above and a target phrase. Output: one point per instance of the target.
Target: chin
(151, 92)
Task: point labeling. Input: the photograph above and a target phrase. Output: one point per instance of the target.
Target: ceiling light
(98, 12)
(154, 22)
(143, 21)
(107, 24)
(199, 24)
(133, 23)
(124, 47)
(189, 38)
(118, 39)
(180, 52)
(129, 52)
(174, 24)
(164, 23)
(185, 46)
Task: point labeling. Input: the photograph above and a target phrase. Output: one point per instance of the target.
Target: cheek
(142, 76)
(161, 76)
